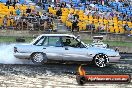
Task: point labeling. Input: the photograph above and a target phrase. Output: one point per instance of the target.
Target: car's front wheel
(101, 60)
(39, 58)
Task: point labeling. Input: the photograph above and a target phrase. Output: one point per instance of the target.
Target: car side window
(54, 41)
(72, 42)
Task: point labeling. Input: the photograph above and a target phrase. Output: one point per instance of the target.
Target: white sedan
(64, 47)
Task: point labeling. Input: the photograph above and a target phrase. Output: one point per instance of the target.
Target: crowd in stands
(14, 15)
(93, 15)
(111, 16)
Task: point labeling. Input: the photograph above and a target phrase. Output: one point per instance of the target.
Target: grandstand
(110, 17)
(11, 12)
(115, 23)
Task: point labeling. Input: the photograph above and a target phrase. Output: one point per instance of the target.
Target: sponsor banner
(83, 78)
(108, 78)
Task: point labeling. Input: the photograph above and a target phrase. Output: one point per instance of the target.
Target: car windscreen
(40, 41)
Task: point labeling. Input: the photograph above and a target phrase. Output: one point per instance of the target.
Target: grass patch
(11, 39)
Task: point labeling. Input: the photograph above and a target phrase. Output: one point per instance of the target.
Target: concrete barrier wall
(123, 49)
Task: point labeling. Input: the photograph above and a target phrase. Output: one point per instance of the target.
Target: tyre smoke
(7, 57)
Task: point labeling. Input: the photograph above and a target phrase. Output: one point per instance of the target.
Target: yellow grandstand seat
(80, 25)
(69, 24)
(115, 24)
(131, 32)
(81, 12)
(63, 19)
(66, 9)
(71, 10)
(65, 14)
(8, 22)
(116, 29)
(2, 4)
(1, 20)
(32, 7)
(101, 21)
(124, 22)
(54, 12)
(81, 18)
(105, 27)
(85, 18)
(84, 26)
(90, 19)
(11, 7)
(50, 9)
(129, 24)
(105, 21)
(76, 11)
(121, 30)
(115, 18)
(120, 23)
(111, 29)
(110, 22)
(96, 23)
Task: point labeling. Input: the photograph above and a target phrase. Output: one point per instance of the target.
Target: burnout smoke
(6, 55)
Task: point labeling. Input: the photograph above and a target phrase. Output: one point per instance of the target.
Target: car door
(74, 53)
(53, 48)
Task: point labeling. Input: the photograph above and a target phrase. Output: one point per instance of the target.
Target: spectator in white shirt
(86, 11)
(70, 16)
(44, 16)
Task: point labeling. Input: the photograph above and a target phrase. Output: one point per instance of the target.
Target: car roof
(70, 35)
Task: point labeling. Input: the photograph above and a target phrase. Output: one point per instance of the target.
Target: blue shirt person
(18, 12)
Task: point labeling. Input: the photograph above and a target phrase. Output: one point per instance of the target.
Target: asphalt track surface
(55, 75)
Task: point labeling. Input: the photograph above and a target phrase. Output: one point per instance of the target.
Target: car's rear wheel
(39, 58)
(101, 60)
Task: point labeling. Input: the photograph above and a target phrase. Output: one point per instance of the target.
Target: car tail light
(15, 49)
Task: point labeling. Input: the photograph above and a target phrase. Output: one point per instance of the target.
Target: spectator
(45, 25)
(14, 3)
(76, 15)
(44, 17)
(8, 3)
(74, 24)
(31, 15)
(67, 42)
(70, 16)
(127, 28)
(11, 15)
(23, 16)
(86, 11)
(37, 15)
(18, 12)
(112, 14)
(57, 7)
(50, 22)
(28, 10)
(59, 12)
(5, 22)
(124, 16)
(101, 27)
(63, 4)
(120, 16)
(92, 26)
